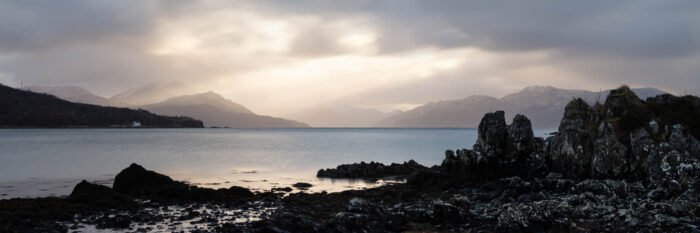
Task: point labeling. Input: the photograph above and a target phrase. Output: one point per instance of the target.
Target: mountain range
(544, 105)
(215, 110)
(72, 93)
(166, 98)
(153, 92)
(20, 108)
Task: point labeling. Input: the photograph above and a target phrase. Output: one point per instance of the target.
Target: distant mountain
(344, 116)
(215, 110)
(151, 93)
(19, 108)
(543, 105)
(71, 93)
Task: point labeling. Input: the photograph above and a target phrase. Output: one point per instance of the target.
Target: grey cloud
(101, 43)
(620, 28)
(45, 24)
(316, 42)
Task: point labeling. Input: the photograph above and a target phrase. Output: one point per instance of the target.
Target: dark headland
(26, 109)
(627, 165)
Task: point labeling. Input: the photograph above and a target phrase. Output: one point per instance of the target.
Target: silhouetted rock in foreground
(100, 196)
(370, 170)
(138, 182)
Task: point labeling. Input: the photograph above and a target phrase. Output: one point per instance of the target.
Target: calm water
(44, 162)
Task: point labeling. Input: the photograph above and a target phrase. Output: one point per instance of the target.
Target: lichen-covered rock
(625, 137)
(609, 158)
(571, 149)
(521, 140)
(493, 135)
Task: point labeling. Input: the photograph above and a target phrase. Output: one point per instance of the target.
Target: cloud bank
(280, 56)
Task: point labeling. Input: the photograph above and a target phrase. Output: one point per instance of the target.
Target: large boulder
(137, 181)
(99, 196)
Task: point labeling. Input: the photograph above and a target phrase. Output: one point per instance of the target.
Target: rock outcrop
(136, 181)
(501, 150)
(627, 138)
(623, 138)
(99, 196)
(371, 170)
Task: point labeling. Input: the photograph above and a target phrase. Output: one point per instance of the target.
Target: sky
(280, 56)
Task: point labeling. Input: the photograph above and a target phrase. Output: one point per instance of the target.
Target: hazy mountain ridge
(151, 93)
(19, 108)
(341, 116)
(211, 108)
(543, 104)
(215, 110)
(72, 93)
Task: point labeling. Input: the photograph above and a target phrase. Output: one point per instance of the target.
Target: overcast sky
(279, 56)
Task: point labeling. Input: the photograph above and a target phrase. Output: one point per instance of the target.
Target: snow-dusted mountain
(151, 93)
(543, 105)
(71, 93)
(215, 110)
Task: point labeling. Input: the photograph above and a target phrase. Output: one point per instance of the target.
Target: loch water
(49, 162)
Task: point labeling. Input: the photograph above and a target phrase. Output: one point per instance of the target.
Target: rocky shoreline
(371, 170)
(627, 165)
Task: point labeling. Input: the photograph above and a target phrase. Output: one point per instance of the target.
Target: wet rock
(113, 222)
(444, 212)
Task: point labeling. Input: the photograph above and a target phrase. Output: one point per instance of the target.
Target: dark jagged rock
(370, 170)
(625, 137)
(563, 156)
(99, 196)
(501, 150)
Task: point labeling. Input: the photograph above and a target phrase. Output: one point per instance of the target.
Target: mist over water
(43, 162)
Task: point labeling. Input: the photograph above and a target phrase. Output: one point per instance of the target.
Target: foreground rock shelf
(627, 165)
